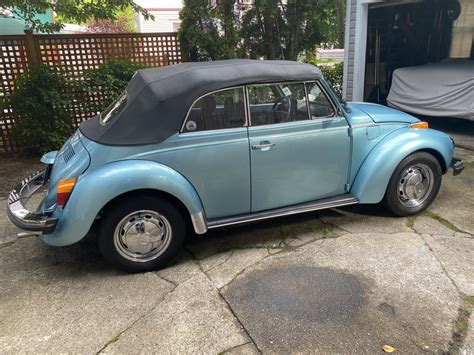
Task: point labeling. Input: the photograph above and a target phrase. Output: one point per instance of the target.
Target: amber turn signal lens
(64, 190)
(420, 124)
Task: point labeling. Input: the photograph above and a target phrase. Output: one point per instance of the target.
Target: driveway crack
(252, 340)
(117, 336)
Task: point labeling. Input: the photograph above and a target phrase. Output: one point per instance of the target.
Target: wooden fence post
(31, 52)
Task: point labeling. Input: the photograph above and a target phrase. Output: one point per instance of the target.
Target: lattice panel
(78, 52)
(13, 61)
(75, 53)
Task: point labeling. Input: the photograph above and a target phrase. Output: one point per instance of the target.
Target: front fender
(95, 189)
(374, 174)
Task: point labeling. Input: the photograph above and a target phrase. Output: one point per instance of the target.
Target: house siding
(350, 47)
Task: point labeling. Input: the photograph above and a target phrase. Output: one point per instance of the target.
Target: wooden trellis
(74, 53)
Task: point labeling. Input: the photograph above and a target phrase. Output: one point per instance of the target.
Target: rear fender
(375, 172)
(95, 189)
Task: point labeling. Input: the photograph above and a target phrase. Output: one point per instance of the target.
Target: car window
(319, 104)
(219, 110)
(277, 103)
(113, 109)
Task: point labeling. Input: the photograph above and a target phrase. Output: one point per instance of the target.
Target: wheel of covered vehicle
(141, 233)
(414, 184)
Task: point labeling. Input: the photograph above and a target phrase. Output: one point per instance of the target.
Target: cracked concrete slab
(457, 257)
(181, 270)
(365, 219)
(427, 225)
(68, 305)
(191, 319)
(246, 349)
(7, 230)
(240, 259)
(455, 201)
(387, 279)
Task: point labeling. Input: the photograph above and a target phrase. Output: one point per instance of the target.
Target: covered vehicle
(444, 89)
(215, 144)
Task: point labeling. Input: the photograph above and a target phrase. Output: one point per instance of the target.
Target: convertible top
(159, 98)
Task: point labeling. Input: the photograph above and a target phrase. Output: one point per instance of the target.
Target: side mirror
(345, 107)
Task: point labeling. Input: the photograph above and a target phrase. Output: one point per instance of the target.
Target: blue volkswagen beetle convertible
(199, 146)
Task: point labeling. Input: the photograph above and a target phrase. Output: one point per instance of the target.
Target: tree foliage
(78, 11)
(207, 31)
(268, 28)
(124, 22)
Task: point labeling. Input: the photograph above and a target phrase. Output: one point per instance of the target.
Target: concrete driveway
(343, 280)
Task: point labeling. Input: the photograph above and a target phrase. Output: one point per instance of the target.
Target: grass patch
(410, 221)
(441, 220)
(328, 230)
(7, 244)
(111, 341)
(462, 323)
(470, 300)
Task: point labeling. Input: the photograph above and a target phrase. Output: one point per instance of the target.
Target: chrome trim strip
(199, 223)
(337, 201)
(362, 125)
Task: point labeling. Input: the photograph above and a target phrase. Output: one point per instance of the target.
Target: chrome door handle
(264, 146)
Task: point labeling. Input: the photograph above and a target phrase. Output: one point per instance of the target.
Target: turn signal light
(64, 190)
(420, 124)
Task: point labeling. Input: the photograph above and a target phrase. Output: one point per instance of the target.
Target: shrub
(334, 74)
(40, 101)
(107, 82)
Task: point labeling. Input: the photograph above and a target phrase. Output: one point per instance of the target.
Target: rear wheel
(414, 184)
(141, 233)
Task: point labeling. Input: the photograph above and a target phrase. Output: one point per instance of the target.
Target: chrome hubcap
(415, 185)
(142, 235)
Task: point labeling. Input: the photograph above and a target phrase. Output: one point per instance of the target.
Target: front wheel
(141, 233)
(413, 185)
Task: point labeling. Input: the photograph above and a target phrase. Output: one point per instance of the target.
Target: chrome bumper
(40, 221)
(457, 165)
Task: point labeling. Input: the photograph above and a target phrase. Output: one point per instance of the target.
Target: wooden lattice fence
(74, 53)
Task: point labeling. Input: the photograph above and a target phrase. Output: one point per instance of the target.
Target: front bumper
(457, 165)
(39, 221)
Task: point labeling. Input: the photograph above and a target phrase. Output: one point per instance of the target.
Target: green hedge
(333, 73)
(43, 98)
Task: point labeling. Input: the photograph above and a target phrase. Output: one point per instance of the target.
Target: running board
(331, 202)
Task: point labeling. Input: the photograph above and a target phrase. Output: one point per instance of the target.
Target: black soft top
(159, 98)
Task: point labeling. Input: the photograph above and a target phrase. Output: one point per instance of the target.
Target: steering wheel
(282, 101)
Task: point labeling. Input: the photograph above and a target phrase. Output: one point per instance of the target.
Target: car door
(212, 152)
(299, 152)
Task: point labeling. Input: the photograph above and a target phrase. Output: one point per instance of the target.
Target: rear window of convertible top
(113, 109)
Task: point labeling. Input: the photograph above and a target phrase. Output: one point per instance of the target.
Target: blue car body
(217, 176)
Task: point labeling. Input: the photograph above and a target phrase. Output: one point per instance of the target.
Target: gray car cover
(444, 89)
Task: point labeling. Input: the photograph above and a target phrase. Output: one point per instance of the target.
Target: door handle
(263, 146)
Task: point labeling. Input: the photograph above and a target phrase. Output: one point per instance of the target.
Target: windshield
(114, 108)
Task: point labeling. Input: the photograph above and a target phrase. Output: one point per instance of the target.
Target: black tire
(394, 196)
(153, 210)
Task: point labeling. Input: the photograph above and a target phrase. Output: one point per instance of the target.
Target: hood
(382, 114)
